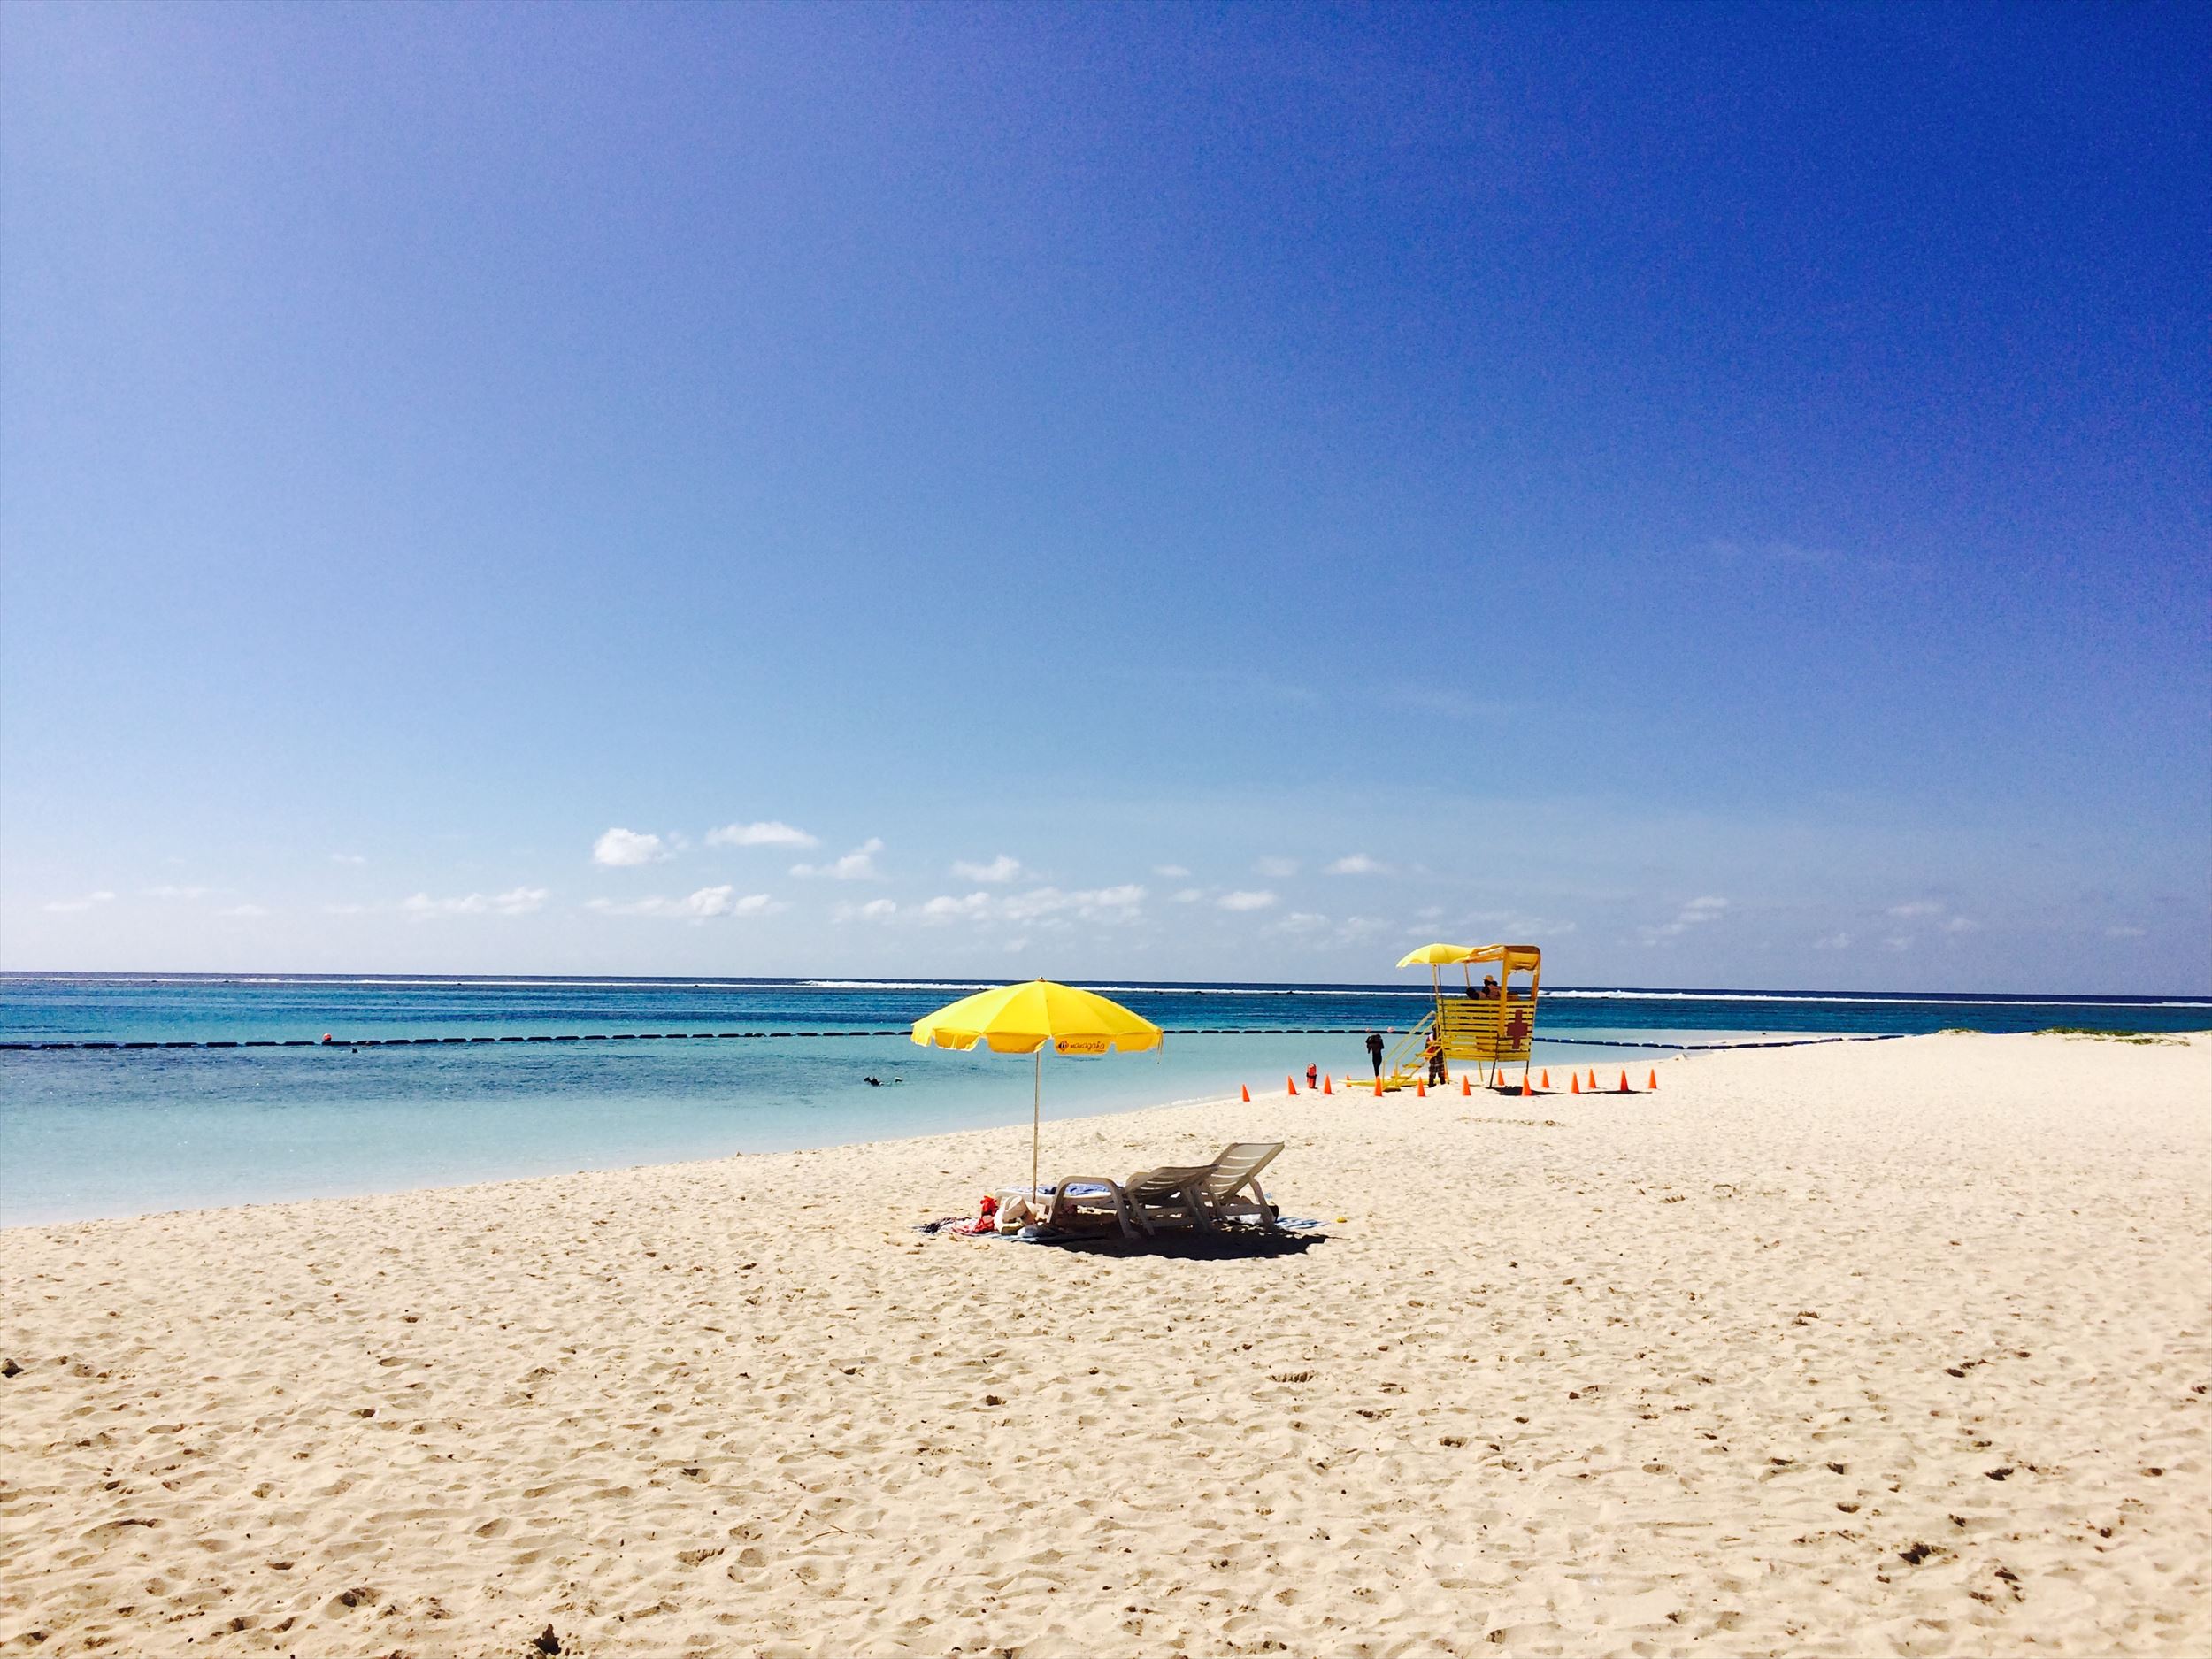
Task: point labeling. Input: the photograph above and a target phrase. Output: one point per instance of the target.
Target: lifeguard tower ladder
(1487, 1026)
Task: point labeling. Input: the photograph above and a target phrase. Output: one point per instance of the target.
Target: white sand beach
(1888, 1347)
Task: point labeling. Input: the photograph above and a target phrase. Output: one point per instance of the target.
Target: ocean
(124, 1095)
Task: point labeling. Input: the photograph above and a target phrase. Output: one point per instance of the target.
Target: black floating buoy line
(331, 1041)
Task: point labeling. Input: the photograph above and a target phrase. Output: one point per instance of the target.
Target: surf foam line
(1687, 1048)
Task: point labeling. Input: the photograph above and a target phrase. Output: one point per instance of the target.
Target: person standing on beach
(1374, 1050)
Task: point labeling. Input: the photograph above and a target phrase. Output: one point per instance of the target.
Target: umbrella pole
(1036, 1120)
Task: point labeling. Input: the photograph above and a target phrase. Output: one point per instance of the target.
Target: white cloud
(1518, 925)
(1301, 922)
(1091, 905)
(61, 907)
(2123, 931)
(514, 901)
(945, 908)
(1170, 872)
(768, 832)
(347, 858)
(856, 865)
(176, 893)
(1897, 942)
(1001, 869)
(873, 910)
(1358, 864)
(1917, 910)
(706, 902)
(347, 910)
(1275, 866)
(1832, 941)
(243, 909)
(1187, 895)
(1242, 901)
(1696, 913)
(620, 848)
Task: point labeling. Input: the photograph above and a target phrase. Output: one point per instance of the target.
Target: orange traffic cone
(1593, 1079)
(1327, 1087)
(1544, 1081)
(1465, 1088)
(1624, 1082)
(1291, 1083)
(1652, 1082)
(1420, 1089)
(1574, 1082)
(1245, 1089)
(1378, 1088)
(1524, 1088)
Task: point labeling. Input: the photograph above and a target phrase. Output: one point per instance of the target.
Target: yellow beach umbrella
(1431, 956)
(1029, 1018)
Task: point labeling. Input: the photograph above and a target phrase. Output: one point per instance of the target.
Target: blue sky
(1178, 492)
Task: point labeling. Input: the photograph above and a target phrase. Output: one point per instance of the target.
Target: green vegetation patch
(2109, 1036)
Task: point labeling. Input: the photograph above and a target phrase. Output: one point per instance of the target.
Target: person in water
(1374, 1050)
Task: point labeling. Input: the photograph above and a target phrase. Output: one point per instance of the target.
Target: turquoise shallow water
(88, 1131)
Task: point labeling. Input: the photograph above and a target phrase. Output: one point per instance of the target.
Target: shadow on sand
(1186, 1247)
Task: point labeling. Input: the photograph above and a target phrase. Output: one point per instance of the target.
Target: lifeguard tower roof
(1511, 957)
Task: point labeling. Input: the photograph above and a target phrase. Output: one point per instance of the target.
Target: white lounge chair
(1206, 1195)
(1065, 1208)
(1230, 1191)
(1169, 1194)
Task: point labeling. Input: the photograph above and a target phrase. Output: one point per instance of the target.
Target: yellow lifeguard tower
(1490, 1024)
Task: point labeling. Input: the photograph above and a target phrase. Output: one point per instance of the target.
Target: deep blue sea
(437, 1081)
